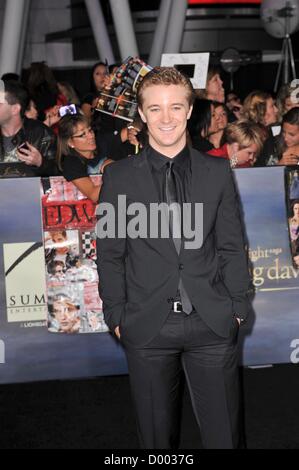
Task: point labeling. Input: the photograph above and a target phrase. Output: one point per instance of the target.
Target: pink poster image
(74, 305)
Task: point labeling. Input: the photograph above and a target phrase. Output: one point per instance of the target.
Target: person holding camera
(27, 147)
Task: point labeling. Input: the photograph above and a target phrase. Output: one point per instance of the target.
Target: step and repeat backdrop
(51, 320)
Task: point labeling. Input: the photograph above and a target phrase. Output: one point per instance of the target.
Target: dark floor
(98, 413)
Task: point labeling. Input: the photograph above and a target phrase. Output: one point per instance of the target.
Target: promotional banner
(292, 180)
(74, 305)
(271, 335)
(28, 350)
(24, 282)
(51, 322)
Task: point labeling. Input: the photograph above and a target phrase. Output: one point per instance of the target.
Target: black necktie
(174, 215)
(175, 227)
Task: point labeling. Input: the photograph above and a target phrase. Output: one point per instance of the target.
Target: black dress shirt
(182, 171)
(181, 168)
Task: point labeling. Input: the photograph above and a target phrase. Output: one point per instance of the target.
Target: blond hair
(245, 133)
(165, 76)
(255, 106)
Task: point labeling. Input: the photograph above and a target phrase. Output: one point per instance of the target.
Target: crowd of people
(47, 130)
(38, 140)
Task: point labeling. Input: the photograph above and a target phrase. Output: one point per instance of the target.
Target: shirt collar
(158, 160)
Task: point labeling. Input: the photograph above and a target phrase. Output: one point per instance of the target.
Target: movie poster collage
(119, 97)
(293, 213)
(74, 305)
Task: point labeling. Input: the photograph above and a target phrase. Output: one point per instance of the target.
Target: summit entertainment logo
(25, 286)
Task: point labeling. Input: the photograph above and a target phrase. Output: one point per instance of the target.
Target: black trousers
(210, 365)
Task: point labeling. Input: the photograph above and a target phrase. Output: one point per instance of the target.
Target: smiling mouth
(167, 129)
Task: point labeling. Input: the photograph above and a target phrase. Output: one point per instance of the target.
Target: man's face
(5, 110)
(166, 110)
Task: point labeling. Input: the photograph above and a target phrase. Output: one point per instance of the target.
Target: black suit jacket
(139, 277)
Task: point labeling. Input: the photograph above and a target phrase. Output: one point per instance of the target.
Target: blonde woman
(244, 141)
(260, 107)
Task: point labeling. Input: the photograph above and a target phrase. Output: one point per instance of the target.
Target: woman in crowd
(288, 147)
(287, 98)
(202, 124)
(221, 117)
(259, 107)
(99, 75)
(214, 90)
(77, 154)
(43, 88)
(244, 141)
(31, 110)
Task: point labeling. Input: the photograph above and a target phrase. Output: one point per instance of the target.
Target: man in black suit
(175, 306)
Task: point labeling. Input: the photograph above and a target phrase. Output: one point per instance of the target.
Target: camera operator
(27, 147)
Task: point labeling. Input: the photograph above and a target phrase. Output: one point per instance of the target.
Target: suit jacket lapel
(144, 180)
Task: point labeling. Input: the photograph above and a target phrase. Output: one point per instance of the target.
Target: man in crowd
(27, 147)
